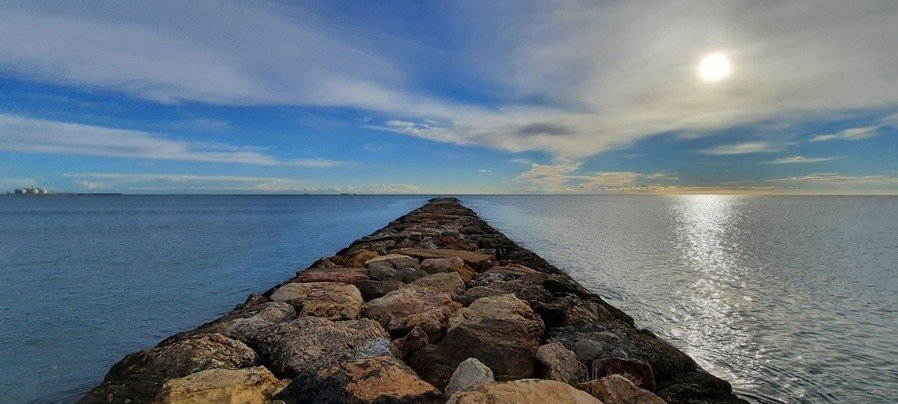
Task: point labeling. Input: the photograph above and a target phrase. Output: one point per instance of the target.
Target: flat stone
(527, 391)
(616, 389)
(255, 385)
(469, 257)
(331, 300)
(637, 371)
(560, 364)
(451, 264)
(468, 375)
(446, 282)
(402, 310)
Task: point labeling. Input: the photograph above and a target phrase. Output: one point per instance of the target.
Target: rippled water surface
(793, 299)
(85, 280)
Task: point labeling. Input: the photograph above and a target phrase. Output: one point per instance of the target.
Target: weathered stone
(468, 375)
(312, 342)
(558, 363)
(138, 377)
(587, 350)
(381, 379)
(335, 274)
(451, 264)
(356, 259)
(409, 275)
(529, 293)
(401, 310)
(241, 323)
(527, 391)
(331, 300)
(382, 270)
(323, 262)
(411, 342)
(398, 261)
(698, 386)
(515, 270)
(254, 385)
(639, 372)
(501, 331)
(447, 282)
(374, 289)
(616, 389)
(469, 257)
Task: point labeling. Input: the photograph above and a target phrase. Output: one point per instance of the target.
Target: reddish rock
(356, 259)
(558, 363)
(616, 389)
(337, 274)
(401, 310)
(447, 282)
(331, 300)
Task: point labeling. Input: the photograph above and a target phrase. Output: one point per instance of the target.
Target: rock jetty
(435, 307)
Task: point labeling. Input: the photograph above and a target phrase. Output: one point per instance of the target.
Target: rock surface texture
(435, 306)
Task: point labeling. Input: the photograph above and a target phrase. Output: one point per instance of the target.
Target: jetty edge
(437, 306)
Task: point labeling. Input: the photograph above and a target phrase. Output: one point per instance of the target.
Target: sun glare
(714, 67)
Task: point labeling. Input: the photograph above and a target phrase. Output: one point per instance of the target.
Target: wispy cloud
(835, 178)
(797, 159)
(561, 177)
(848, 134)
(27, 135)
(741, 148)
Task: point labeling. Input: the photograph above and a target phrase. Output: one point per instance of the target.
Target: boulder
(639, 372)
(587, 350)
(241, 323)
(382, 270)
(451, 264)
(558, 363)
(469, 257)
(409, 275)
(616, 389)
(331, 300)
(356, 259)
(527, 391)
(139, 376)
(447, 282)
(698, 386)
(401, 310)
(374, 289)
(532, 294)
(255, 385)
(398, 261)
(411, 342)
(337, 274)
(502, 332)
(468, 375)
(382, 379)
(311, 342)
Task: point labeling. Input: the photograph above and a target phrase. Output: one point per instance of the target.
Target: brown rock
(356, 259)
(411, 342)
(331, 300)
(242, 322)
(398, 261)
(639, 372)
(139, 376)
(401, 310)
(558, 363)
(501, 331)
(469, 257)
(451, 264)
(381, 379)
(527, 391)
(616, 389)
(699, 386)
(336, 274)
(254, 385)
(374, 289)
(446, 282)
(532, 294)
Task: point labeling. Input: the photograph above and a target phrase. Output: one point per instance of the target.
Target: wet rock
(451, 264)
(138, 377)
(468, 375)
(558, 363)
(469, 257)
(398, 261)
(381, 379)
(374, 289)
(404, 309)
(637, 371)
(409, 275)
(331, 300)
(527, 391)
(447, 282)
(255, 385)
(336, 274)
(501, 331)
(616, 389)
(356, 259)
(698, 387)
(312, 342)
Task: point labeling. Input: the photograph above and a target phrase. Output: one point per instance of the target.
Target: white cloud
(835, 178)
(26, 135)
(560, 177)
(848, 134)
(741, 148)
(484, 170)
(796, 159)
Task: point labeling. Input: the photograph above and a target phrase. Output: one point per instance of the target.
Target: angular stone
(138, 377)
(374, 289)
(382, 270)
(255, 385)
(587, 350)
(698, 386)
(616, 389)
(356, 259)
(501, 331)
(312, 342)
(241, 323)
(411, 342)
(451, 264)
(447, 282)
(529, 293)
(468, 375)
(469, 257)
(558, 363)
(331, 300)
(409, 275)
(382, 379)
(336, 274)
(527, 391)
(398, 261)
(401, 310)
(637, 371)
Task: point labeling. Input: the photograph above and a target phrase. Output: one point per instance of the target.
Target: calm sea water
(793, 299)
(85, 280)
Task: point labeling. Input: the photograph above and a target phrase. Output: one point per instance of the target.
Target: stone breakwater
(435, 307)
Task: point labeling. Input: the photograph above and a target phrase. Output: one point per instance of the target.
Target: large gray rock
(559, 363)
(330, 300)
(468, 375)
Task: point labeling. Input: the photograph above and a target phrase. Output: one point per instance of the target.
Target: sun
(714, 67)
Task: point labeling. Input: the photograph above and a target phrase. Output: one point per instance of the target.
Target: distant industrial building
(31, 191)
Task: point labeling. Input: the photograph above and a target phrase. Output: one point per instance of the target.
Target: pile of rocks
(436, 307)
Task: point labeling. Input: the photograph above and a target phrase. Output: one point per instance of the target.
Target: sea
(790, 298)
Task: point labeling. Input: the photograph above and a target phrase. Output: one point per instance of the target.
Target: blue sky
(449, 97)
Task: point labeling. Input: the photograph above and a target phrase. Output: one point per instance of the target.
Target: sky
(449, 97)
